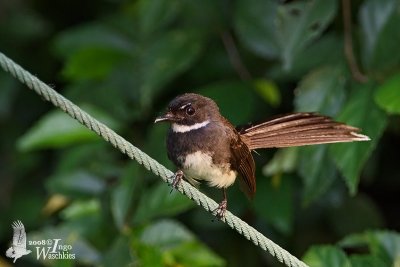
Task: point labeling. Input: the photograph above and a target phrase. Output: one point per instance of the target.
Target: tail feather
(299, 129)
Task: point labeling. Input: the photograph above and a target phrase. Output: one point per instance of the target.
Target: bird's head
(190, 111)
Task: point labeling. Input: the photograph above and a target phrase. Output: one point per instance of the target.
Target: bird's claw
(176, 180)
(220, 211)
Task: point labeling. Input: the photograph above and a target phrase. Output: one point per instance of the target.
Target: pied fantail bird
(206, 147)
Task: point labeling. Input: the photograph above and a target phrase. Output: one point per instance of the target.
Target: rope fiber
(149, 163)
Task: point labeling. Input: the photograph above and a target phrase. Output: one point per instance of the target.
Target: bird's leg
(221, 209)
(177, 179)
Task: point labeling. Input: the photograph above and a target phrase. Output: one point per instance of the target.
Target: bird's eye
(190, 110)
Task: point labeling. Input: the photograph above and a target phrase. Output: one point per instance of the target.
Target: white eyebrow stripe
(179, 128)
(184, 106)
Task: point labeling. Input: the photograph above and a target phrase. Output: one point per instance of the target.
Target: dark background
(123, 61)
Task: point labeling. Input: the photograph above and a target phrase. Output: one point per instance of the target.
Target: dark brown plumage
(205, 146)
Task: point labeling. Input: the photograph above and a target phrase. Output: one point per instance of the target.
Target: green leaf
(387, 95)
(148, 256)
(254, 22)
(284, 30)
(299, 24)
(92, 63)
(266, 199)
(365, 215)
(366, 261)
(284, 161)
(156, 144)
(317, 171)
(119, 253)
(322, 91)
(166, 234)
(269, 91)
(160, 201)
(56, 129)
(384, 244)
(123, 197)
(327, 50)
(84, 208)
(379, 23)
(229, 95)
(197, 255)
(166, 57)
(76, 183)
(326, 256)
(156, 14)
(178, 245)
(91, 35)
(390, 241)
(359, 111)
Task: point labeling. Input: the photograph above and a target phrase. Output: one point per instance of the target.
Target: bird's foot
(220, 211)
(176, 180)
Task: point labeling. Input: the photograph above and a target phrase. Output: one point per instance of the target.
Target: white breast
(199, 166)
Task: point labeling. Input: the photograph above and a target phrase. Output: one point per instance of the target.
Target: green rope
(149, 163)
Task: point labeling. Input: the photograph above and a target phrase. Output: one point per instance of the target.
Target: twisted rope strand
(142, 158)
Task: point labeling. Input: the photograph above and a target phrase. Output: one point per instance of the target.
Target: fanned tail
(299, 129)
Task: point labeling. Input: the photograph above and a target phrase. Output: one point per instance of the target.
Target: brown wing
(243, 162)
(299, 129)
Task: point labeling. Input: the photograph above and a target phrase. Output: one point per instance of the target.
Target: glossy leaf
(56, 129)
(78, 183)
(266, 201)
(383, 244)
(93, 35)
(178, 245)
(166, 234)
(119, 254)
(359, 111)
(366, 261)
(387, 95)
(165, 58)
(93, 63)
(326, 256)
(156, 144)
(285, 30)
(379, 23)
(317, 171)
(84, 208)
(390, 242)
(160, 201)
(365, 215)
(322, 91)
(197, 254)
(156, 14)
(229, 96)
(148, 255)
(122, 196)
(256, 28)
(327, 50)
(269, 91)
(284, 161)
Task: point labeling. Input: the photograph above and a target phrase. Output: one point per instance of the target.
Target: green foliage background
(122, 61)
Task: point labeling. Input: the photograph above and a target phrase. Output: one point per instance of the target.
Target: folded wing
(19, 238)
(299, 129)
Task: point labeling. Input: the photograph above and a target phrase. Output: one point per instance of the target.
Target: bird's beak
(166, 117)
